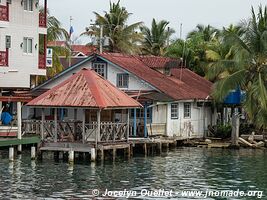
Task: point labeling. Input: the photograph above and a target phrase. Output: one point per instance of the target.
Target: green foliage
(156, 38)
(123, 38)
(223, 131)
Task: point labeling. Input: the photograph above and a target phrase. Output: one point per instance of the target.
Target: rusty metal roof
(85, 89)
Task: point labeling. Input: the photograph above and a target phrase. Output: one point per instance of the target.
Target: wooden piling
(11, 154)
(93, 154)
(114, 154)
(33, 153)
(145, 149)
(71, 156)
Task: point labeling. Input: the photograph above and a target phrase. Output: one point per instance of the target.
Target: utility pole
(70, 41)
(181, 30)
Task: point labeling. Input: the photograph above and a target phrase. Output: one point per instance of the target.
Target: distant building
(78, 52)
(176, 102)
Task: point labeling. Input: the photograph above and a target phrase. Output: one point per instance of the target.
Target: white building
(22, 43)
(176, 101)
(22, 55)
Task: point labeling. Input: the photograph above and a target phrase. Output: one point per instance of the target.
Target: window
(27, 45)
(28, 5)
(174, 111)
(100, 68)
(122, 80)
(187, 110)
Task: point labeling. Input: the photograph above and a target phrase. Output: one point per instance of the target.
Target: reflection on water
(186, 168)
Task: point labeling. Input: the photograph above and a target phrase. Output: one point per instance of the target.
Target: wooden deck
(66, 146)
(6, 142)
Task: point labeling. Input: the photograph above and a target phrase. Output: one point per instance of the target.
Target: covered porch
(101, 112)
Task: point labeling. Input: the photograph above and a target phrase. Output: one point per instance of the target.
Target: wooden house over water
(105, 113)
(176, 102)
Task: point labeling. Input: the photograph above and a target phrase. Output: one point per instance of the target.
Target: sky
(189, 13)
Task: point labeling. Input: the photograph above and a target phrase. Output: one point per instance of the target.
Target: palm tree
(248, 68)
(157, 38)
(122, 37)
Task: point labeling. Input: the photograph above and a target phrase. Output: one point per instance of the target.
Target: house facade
(176, 102)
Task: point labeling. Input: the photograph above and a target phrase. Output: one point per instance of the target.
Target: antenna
(181, 30)
(183, 56)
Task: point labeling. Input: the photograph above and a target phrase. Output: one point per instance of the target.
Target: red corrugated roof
(159, 62)
(85, 49)
(171, 86)
(194, 80)
(85, 89)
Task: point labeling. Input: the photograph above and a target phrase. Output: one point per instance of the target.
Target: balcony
(4, 13)
(42, 20)
(42, 61)
(4, 58)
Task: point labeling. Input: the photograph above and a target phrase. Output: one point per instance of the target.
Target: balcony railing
(4, 58)
(42, 61)
(42, 20)
(4, 13)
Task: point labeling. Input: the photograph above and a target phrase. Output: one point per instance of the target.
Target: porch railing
(4, 58)
(72, 130)
(42, 20)
(4, 13)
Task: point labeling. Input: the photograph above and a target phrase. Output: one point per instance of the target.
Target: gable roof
(170, 86)
(85, 89)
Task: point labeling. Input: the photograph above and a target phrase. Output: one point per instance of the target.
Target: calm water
(186, 168)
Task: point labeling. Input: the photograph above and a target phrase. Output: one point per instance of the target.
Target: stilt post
(83, 125)
(134, 125)
(55, 121)
(42, 124)
(11, 153)
(128, 125)
(33, 152)
(19, 125)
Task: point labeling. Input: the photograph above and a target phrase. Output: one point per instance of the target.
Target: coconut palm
(122, 37)
(248, 68)
(156, 38)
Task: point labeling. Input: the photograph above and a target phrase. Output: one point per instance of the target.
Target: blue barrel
(234, 97)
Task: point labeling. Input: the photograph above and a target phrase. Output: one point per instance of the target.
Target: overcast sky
(218, 13)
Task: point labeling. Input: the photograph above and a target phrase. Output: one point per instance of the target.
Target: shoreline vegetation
(233, 57)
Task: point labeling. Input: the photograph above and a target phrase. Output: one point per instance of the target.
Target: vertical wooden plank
(55, 121)
(135, 126)
(83, 125)
(145, 120)
(98, 136)
(42, 124)
(19, 125)
(128, 125)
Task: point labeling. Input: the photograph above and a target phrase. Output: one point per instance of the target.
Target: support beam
(55, 124)
(134, 123)
(93, 155)
(42, 124)
(98, 136)
(145, 120)
(11, 154)
(235, 129)
(83, 125)
(128, 125)
(19, 125)
(33, 153)
(71, 156)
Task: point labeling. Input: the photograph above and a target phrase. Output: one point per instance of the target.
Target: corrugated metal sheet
(169, 85)
(85, 89)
